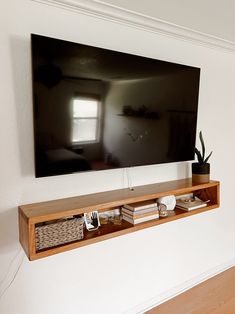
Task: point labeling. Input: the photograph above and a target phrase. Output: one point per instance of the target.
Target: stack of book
(136, 213)
(190, 203)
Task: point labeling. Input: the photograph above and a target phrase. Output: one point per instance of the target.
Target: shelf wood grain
(31, 214)
(55, 209)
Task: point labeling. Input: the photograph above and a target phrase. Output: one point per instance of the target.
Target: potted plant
(201, 169)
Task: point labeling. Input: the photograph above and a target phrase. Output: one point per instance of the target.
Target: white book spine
(143, 219)
(140, 207)
(142, 211)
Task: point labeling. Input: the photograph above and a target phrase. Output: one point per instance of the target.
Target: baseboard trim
(106, 11)
(159, 299)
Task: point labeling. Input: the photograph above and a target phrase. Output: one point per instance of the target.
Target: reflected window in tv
(85, 120)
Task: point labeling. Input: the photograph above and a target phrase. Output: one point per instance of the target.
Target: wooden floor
(214, 296)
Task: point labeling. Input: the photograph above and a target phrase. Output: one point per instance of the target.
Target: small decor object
(201, 169)
(190, 203)
(117, 220)
(92, 221)
(104, 219)
(169, 201)
(115, 216)
(112, 216)
(162, 210)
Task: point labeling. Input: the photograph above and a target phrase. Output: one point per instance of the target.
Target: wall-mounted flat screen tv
(97, 109)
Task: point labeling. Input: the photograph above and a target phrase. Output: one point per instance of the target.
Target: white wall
(115, 275)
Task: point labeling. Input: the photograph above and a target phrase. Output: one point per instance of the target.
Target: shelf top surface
(54, 209)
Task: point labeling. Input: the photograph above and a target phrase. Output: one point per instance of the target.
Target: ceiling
(213, 17)
(55, 59)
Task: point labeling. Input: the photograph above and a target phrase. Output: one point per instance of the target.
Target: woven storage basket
(59, 233)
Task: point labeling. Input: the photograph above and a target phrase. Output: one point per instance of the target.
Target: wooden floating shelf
(32, 214)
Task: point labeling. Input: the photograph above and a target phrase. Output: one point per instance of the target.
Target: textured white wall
(115, 275)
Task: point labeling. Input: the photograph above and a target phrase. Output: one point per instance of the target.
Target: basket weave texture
(59, 233)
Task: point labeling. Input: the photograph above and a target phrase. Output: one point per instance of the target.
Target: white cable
(129, 180)
(15, 273)
(9, 267)
(123, 177)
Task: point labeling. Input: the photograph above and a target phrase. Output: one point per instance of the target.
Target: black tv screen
(97, 109)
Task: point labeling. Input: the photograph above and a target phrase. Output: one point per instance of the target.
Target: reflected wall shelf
(32, 214)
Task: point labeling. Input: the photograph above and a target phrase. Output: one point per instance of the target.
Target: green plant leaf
(199, 156)
(208, 157)
(203, 145)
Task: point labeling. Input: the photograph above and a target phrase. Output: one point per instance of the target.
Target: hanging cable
(9, 267)
(129, 180)
(14, 275)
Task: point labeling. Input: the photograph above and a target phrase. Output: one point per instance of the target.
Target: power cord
(2, 289)
(129, 179)
(9, 267)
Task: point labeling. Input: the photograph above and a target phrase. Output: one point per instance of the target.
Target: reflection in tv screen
(97, 109)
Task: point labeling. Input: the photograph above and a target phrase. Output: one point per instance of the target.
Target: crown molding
(105, 11)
